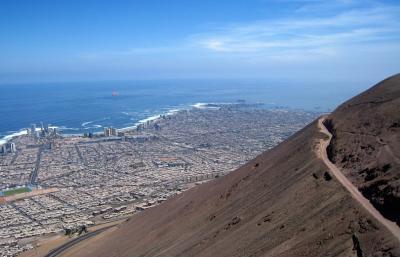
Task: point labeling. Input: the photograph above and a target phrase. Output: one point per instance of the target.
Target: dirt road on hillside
(322, 153)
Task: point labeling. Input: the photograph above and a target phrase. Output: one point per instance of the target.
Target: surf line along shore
(355, 193)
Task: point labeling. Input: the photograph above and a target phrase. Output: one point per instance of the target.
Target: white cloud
(316, 34)
(309, 32)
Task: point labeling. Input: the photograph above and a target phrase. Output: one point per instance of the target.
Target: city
(67, 183)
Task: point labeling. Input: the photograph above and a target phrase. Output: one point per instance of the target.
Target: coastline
(23, 131)
(174, 111)
(169, 112)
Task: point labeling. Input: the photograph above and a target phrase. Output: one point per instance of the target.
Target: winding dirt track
(61, 249)
(391, 226)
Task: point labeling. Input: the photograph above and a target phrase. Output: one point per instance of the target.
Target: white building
(13, 148)
(107, 132)
(113, 131)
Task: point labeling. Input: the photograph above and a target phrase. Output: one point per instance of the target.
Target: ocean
(78, 107)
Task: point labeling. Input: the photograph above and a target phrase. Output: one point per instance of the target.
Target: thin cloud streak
(367, 26)
(276, 37)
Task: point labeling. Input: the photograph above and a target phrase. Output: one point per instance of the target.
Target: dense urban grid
(65, 184)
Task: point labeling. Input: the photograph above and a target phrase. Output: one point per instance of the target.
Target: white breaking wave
(199, 105)
(7, 138)
(66, 128)
(94, 126)
(86, 123)
(151, 118)
(213, 106)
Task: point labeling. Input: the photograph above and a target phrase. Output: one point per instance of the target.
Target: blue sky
(324, 40)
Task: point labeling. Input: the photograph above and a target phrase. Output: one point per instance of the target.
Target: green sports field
(16, 191)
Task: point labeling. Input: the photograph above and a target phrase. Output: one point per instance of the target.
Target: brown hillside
(366, 144)
(283, 203)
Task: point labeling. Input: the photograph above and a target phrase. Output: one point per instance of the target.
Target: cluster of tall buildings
(109, 132)
(8, 148)
(44, 131)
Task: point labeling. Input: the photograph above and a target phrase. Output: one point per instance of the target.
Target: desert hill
(366, 144)
(285, 202)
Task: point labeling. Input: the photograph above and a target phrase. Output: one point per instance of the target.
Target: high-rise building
(4, 149)
(107, 132)
(13, 148)
(113, 131)
(46, 128)
(33, 130)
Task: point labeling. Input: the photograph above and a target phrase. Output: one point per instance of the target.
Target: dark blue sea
(89, 106)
